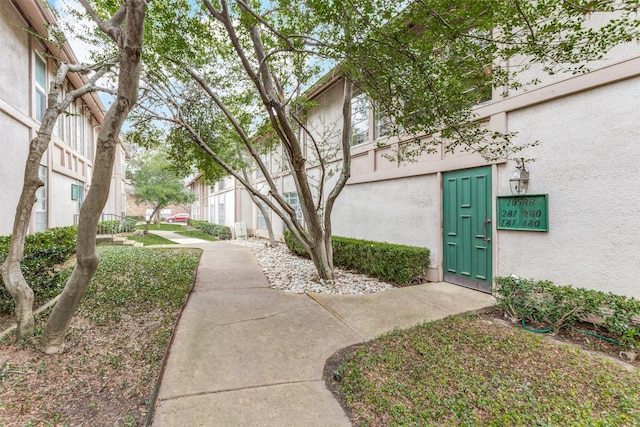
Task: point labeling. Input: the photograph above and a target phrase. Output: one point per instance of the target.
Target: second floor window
(40, 87)
(359, 119)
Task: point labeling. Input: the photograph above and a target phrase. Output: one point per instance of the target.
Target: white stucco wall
(14, 148)
(61, 207)
(15, 54)
(588, 162)
(404, 211)
(14, 112)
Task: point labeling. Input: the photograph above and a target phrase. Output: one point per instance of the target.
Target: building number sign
(528, 212)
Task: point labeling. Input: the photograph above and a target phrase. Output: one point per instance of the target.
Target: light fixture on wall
(519, 181)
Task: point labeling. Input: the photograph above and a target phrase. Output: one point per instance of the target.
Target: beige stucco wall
(588, 162)
(14, 111)
(14, 51)
(403, 211)
(11, 169)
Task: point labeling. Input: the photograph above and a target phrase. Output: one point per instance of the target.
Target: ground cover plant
(116, 342)
(198, 234)
(161, 227)
(476, 371)
(150, 240)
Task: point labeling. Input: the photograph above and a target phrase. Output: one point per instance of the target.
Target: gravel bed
(290, 273)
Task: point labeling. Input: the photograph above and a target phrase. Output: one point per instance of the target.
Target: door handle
(484, 229)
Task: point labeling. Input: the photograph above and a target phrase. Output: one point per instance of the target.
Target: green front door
(467, 228)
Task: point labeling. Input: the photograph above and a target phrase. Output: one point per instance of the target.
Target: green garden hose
(545, 331)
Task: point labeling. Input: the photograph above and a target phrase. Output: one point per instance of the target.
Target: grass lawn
(475, 372)
(197, 234)
(151, 239)
(163, 227)
(114, 348)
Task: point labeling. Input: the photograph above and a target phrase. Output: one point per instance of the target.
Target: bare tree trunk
(11, 272)
(148, 226)
(126, 27)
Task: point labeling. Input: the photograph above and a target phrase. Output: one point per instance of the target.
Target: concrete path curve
(248, 355)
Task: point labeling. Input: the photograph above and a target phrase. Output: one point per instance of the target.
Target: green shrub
(128, 225)
(564, 306)
(394, 263)
(115, 226)
(222, 232)
(196, 223)
(109, 227)
(43, 254)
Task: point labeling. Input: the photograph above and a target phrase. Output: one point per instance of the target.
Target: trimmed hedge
(115, 226)
(43, 253)
(399, 264)
(563, 306)
(222, 232)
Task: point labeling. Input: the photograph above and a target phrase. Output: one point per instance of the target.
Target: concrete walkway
(247, 355)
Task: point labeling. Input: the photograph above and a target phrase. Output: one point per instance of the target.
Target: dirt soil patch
(105, 376)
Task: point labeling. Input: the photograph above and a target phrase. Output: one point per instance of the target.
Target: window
(293, 201)
(89, 140)
(221, 184)
(41, 88)
(80, 194)
(41, 201)
(359, 119)
(265, 160)
(221, 211)
(81, 133)
(383, 126)
(262, 223)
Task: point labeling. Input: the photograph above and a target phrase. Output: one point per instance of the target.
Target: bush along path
(115, 347)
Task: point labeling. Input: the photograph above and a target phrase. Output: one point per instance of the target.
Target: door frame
(456, 279)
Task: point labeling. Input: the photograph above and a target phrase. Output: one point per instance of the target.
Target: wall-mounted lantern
(519, 181)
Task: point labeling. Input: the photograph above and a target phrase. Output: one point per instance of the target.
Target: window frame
(40, 88)
(289, 199)
(360, 115)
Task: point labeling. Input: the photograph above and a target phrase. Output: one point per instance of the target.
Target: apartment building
(26, 70)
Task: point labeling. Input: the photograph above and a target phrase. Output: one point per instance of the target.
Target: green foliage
(197, 234)
(128, 225)
(161, 227)
(115, 226)
(469, 372)
(395, 263)
(222, 232)
(43, 254)
(564, 306)
(195, 222)
(155, 182)
(138, 280)
(109, 227)
(448, 55)
(151, 239)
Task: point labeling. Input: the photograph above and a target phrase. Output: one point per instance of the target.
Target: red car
(181, 217)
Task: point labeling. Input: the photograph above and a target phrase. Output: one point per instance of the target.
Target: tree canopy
(155, 182)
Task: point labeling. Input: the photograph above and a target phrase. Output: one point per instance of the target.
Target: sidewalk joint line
(263, 317)
(249, 387)
(335, 314)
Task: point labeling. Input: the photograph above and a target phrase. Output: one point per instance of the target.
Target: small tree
(126, 28)
(155, 182)
(424, 66)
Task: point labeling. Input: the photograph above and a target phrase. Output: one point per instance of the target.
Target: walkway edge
(154, 396)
